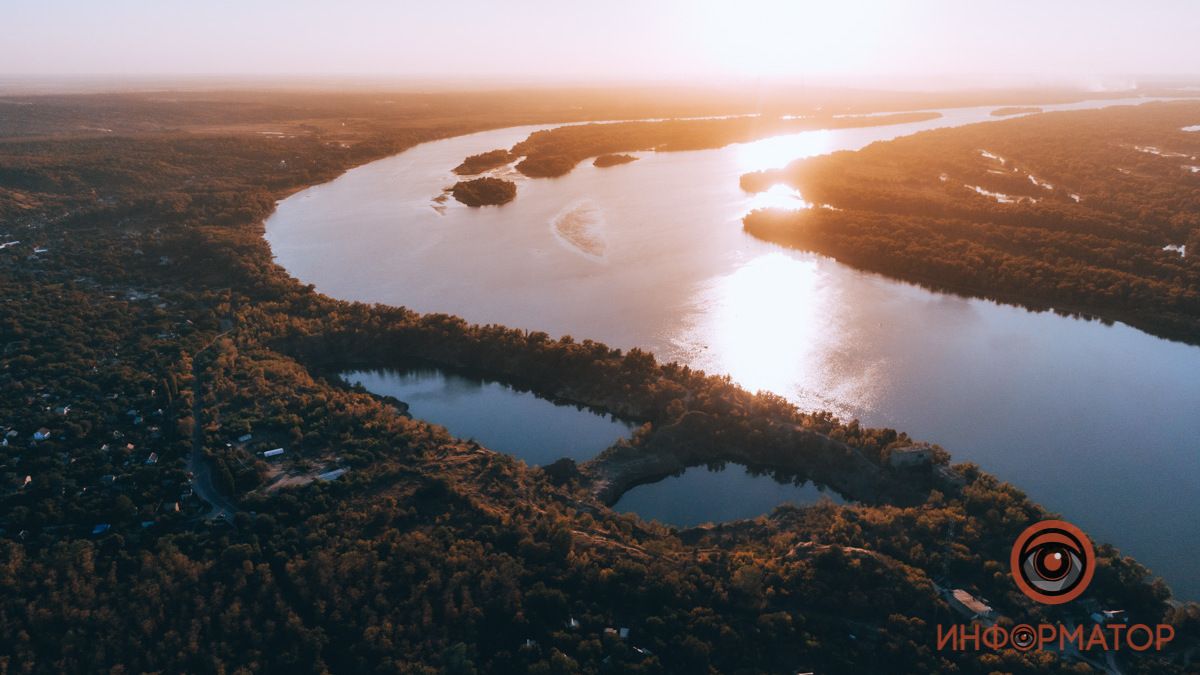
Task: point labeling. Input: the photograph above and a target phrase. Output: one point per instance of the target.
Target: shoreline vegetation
(555, 152)
(1015, 110)
(483, 162)
(145, 315)
(1083, 211)
(604, 161)
(486, 191)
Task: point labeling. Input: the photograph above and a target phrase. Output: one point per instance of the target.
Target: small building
(152, 459)
(331, 475)
(245, 438)
(62, 410)
(913, 456)
(108, 479)
(273, 453)
(27, 481)
(970, 606)
(41, 434)
(101, 528)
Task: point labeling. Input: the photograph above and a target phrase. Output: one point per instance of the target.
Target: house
(101, 528)
(331, 475)
(913, 456)
(273, 453)
(62, 410)
(28, 480)
(245, 438)
(970, 606)
(108, 479)
(42, 434)
(622, 633)
(152, 459)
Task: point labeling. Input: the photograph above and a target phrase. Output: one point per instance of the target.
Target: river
(1098, 422)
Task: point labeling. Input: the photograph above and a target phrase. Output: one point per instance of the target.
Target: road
(202, 474)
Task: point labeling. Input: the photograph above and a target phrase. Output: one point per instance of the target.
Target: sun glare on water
(779, 151)
(761, 342)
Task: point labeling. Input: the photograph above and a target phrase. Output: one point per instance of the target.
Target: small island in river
(484, 191)
(604, 161)
(484, 161)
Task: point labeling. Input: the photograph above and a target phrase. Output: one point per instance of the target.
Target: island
(486, 191)
(604, 161)
(1015, 110)
(484, 161)
(1073, 211)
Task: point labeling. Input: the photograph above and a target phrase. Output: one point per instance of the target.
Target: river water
(1100, 423)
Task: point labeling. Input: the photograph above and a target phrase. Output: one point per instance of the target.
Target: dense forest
(554, 152)
(1096, 212)
(484, 161)
(604, 161)
(144, 321)
(486, 191)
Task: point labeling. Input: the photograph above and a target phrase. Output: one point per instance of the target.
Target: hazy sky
(562, 40)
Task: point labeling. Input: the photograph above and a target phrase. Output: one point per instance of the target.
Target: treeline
(1083, 206)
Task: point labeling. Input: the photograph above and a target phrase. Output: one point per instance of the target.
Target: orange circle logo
(1052, 562)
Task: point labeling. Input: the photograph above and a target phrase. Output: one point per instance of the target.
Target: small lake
(1099, 423)
(499, 417)
(700, 495)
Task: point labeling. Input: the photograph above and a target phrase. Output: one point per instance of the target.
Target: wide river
(1100, 423)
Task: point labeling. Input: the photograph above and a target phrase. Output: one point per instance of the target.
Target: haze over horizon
(1093, 45)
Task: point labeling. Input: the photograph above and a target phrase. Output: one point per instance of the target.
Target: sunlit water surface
(1100, 423)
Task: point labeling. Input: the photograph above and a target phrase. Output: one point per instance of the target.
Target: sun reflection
(764, 323)
(778, 197)
(778, 151)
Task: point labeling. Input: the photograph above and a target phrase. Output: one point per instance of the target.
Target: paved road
(202, 470)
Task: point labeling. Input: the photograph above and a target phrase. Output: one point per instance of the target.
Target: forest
(140, 264)
(1091, 212)
(486, 191)
(604, 161)
(484, 161)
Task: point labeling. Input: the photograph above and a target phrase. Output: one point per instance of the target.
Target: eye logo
(1053, 562)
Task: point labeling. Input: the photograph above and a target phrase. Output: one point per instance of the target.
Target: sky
(1093, 43)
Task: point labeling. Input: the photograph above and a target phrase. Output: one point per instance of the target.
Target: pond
(496, 415)
(701, 495)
